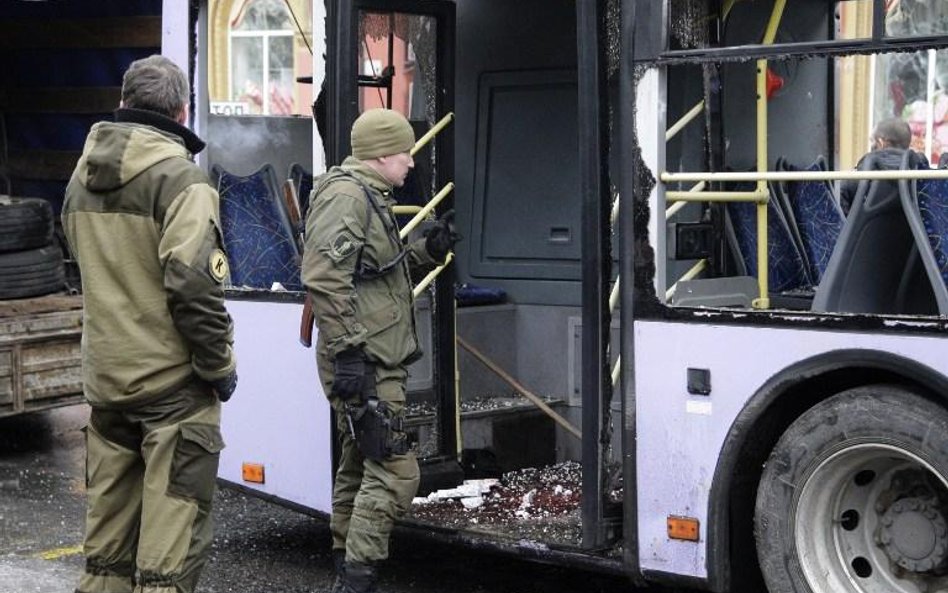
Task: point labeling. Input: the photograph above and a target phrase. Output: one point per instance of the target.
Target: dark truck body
(62, 65)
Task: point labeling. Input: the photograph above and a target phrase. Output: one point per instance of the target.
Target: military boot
(359, 578)
(339, 563)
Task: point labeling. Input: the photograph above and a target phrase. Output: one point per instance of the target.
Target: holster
(377, 430)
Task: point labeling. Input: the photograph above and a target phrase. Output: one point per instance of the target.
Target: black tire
(854, 497)
(30, 273)
(25, 223)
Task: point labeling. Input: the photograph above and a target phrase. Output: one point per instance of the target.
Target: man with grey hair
(143, 223)
(890, 139)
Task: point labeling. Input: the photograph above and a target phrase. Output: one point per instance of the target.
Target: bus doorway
(400, 56)
(494, 102)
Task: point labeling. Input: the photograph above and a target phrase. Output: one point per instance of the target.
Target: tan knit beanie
(381, 132)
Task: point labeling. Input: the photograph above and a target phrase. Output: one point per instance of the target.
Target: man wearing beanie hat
(358, 273)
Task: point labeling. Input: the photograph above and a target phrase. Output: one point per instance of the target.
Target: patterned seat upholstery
(925, 203)
(256, 229)
(786, 267)
(815, 216)
(933, 208)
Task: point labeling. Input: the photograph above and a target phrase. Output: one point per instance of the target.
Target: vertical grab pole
(763, 302)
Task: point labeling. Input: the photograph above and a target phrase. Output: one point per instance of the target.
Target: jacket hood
(116, 152)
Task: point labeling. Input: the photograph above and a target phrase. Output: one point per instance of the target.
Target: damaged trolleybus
(662, 339)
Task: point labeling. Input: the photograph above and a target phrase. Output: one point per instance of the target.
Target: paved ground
(259, 547)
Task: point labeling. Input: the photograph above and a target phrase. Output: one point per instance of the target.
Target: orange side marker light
(253, 472)
(684, 528)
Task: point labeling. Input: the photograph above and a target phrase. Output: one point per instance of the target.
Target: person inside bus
(357, 271)
(890, 139)
(157, 360)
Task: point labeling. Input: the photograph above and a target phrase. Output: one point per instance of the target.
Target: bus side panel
(279, 416)
(680, 435)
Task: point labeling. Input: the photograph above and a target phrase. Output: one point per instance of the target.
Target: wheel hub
(914, 534)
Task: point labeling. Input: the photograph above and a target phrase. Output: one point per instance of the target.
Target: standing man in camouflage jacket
(142, 221)
(358, 273)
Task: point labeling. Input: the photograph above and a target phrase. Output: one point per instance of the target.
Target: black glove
(441, 237)
(225, 386)
(349, 374)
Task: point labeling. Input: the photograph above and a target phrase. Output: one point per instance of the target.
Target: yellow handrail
(718, 196)
(679, 204)
(614, 296)
(444, 121)
(429, 278)
(694, 271)
(421, 212)
(728, 5)
(426, 209)
(674, 208)
(774, 22)
(763, 301)
(890, 174)
(684, 121)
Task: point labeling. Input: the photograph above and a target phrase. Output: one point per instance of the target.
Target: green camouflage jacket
(342, 232)
(143, 223)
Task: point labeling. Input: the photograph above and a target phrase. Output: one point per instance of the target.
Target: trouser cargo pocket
(194, 466)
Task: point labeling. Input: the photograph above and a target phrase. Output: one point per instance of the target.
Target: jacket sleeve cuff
(420, 255)
(355, 338)
(213, 374)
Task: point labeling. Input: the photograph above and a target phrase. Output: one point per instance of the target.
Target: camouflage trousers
(368, 495)
(151, 474)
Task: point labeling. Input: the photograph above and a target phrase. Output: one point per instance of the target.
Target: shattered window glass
(914, 87)
(689, 24)
(398, 70)
(399, 52)
(613, 19)
(915, 18)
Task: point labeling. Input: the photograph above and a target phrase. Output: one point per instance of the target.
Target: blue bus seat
(786, 266)
(257, 233)
(814, 216)
(875, 266)
(925, 203)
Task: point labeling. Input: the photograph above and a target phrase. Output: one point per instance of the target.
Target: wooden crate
(40, 359)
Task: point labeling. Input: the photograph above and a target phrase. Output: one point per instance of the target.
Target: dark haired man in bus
(142, 221)
(358, 273)
(890, 138)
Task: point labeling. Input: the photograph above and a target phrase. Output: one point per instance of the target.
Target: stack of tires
(31, 263)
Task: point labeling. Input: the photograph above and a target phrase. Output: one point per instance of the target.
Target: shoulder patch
(218, 266)
(342, 246)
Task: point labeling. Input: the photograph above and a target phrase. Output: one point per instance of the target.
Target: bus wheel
(854, 497)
